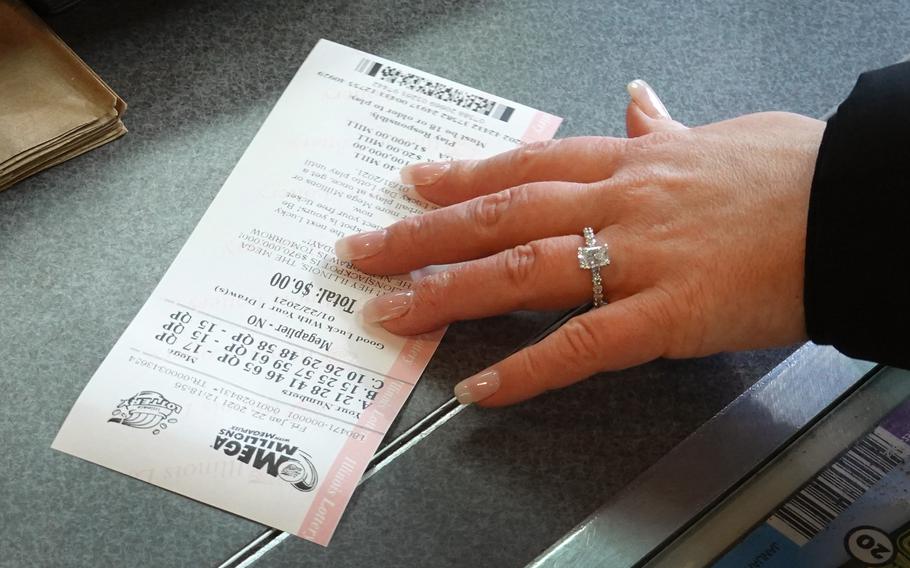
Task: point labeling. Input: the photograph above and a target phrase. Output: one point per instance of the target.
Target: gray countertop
(82, 246)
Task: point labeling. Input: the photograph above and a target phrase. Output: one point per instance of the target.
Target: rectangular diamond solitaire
(593, 257)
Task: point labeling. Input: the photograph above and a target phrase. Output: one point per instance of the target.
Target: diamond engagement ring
(591, 257)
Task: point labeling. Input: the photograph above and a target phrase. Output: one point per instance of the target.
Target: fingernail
(478, 387)
(424, 174)
(385, 308)
(360, 246)
(647, 100)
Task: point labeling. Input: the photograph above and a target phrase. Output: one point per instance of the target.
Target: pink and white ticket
(246, 381)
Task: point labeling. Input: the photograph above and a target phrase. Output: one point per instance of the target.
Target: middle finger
(476, 228)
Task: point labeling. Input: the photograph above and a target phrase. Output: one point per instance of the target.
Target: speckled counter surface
(82, 246)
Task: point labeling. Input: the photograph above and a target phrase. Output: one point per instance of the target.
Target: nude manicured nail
(647, 100)
(424, 174)
(385, 308)
(360, 246)
(478, 387)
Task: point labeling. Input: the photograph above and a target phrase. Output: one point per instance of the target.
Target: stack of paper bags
(52, 106)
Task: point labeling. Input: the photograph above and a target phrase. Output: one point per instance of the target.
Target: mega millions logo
(270, 454)
(147, 410)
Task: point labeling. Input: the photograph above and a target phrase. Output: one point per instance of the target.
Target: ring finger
(540, 275)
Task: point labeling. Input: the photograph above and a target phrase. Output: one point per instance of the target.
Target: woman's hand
(706, 230)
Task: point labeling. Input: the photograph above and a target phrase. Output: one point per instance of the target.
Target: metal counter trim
(669, 496)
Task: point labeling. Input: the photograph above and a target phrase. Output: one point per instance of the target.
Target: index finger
(583, 159)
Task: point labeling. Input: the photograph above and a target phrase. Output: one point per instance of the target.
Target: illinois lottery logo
(269, 454)
(147, 410)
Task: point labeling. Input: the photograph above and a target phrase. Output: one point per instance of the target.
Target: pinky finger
(614, 337)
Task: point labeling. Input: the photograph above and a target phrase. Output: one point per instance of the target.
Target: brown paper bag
(52, 105)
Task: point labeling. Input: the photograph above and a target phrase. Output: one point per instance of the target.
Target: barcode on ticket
(437, 90)
(811, 509)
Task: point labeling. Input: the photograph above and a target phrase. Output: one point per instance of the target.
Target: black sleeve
(857, 287)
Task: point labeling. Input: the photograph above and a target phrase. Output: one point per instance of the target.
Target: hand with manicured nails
(706, 228)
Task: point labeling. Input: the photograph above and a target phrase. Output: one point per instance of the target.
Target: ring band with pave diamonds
(591, 257)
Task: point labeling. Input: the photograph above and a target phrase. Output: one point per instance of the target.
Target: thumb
(646, 113)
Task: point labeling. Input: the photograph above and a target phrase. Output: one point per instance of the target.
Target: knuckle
(463, 171)
(647, 190)
(660, 316)
(581, 341)
(655, 140)
(430, 292)
(536, 379)
(525, 156)
(488, 210)
(604, 146)
(689, 315)
(518, 264)
(407, 231)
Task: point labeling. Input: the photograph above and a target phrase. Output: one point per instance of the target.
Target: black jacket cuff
(857, 279)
